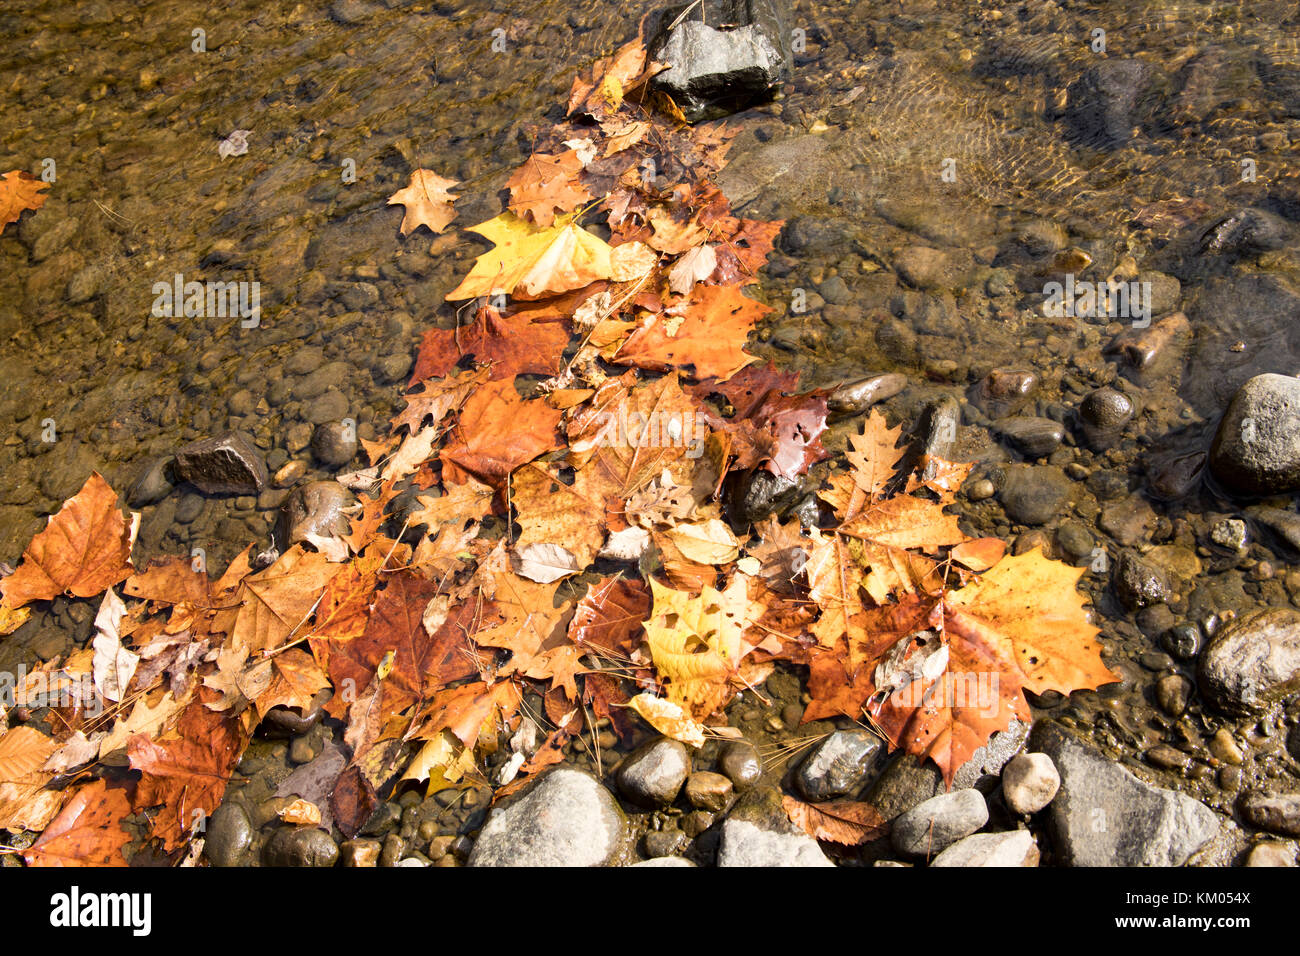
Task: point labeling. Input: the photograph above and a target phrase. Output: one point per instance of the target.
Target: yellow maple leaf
(534, 261)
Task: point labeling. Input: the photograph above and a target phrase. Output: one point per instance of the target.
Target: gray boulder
(653, 774)
(1016, 848)
(1256, 450)
(931, 827)
(1105, 816)
(758, 832)
(723, 56)
(566, 818)
(316, 508)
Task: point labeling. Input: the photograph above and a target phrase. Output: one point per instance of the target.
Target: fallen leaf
(19, 191)
(707, 331)
(846, 822)
(83, 550)
(428, 201)
(669, 719)
(533, 260)
(87, 832)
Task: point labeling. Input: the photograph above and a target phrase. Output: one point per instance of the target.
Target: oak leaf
(846, 822)
(428, 201)
(19, 191)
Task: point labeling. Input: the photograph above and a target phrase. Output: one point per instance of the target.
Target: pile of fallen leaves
(571, 442)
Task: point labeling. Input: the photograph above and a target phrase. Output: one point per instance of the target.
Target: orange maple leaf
(706, 331)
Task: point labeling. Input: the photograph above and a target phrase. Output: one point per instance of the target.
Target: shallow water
(881, 97)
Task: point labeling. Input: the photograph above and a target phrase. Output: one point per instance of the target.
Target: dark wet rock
(758, 832)
(565, 818)
(715, 71)
(1252, 661)
(1035, 494)
(853, 398)
(331, 406)
(227, 465)
(317, 508)
(300, 846)
(1246, 232)
(1015, 848)
(1166, 292)
(1029, 782)
(653, 774)
(152, 485)
(904, 783)
(306, 360)
(923, 267)
(319, 381)
(1170, 477)
(931, 827)
(812, 235)
(1256, 450)
(1260, 310)
(1284, 524)
(1033, 437)
(666, 842)
(1103, 413)
(334, 443)
(838, 765)
(938, 429)
(739, 760)
(1075, 540)
(1183, 641)
(1148, 355)
(1139, 584)
(228, 836)
(708, 791)
(1276, 813)
(758, 493)
(1105, 816)
(1104, 104)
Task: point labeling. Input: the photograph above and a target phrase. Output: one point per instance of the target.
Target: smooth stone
(334, 443)
(1173, 691)
(740, 761)
(1277, 813)
(228, 836)
(1003, 391)
(1016, 848)
(1252, 662)
(1272, 853)
(757, 494)
(838, 765)
(1103, 413)
(227, 464)
(1033, 437)
(853, 398)
(1102, 106)
(360, 852)
(300, 846)
(708, 791)
(1035, 494)
(1256, 449)
(565, 818)
(316, 508)
(1029, 782)
(931, 827)
(1105, 816)
(653, 774)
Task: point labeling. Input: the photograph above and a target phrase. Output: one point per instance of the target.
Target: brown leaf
(83, 550)
(706, 331)
(428, 201)
(497, 433)
(840, 821)
(19, 191)
(87, 832)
